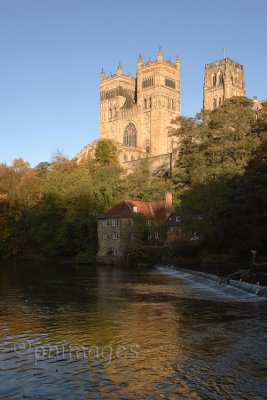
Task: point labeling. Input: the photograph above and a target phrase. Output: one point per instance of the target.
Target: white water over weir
(232, 289)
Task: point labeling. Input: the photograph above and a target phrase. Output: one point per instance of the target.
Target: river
(87, 332)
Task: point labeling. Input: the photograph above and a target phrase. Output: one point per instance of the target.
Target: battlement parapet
(223, 62)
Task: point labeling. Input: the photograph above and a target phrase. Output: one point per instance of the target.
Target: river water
(79, 332)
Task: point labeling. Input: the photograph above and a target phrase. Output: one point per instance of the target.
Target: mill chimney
(168, 203)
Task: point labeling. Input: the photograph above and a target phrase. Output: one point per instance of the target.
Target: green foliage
(85, 257)
(221, 175)
(143, 185)
(49, 232)
(107, 186)
(217, 148)
(42, 169)
(52, 209)
(244, 215)
(106, 152)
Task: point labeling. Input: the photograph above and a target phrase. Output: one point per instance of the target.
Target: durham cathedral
(136, 112)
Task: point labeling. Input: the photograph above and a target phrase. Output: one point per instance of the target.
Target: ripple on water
(191, 344)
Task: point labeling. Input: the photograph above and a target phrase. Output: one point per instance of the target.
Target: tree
(243, 216)
(214, 176)
(106, 152)
(60, 163)
(42, 169)
(143, 185)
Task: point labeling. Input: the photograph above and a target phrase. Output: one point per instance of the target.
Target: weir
(233, 289)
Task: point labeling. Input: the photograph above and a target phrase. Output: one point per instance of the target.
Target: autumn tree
(106, 152)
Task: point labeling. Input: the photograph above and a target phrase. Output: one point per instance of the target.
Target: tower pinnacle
(140, 60)
(160, 54)
(119, 69)
(102, 74)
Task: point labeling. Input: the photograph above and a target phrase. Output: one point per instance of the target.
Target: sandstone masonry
(136, 112)
(223, 79)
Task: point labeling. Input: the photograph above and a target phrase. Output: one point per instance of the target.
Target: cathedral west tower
(136, 111)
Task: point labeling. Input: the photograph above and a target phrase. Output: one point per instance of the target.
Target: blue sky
(53, 50)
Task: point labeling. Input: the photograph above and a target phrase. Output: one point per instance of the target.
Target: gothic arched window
(129, 136)
(214, 79)
(221, 78)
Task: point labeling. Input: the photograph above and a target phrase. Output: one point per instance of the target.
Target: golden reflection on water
(151, 339)
(113, 313)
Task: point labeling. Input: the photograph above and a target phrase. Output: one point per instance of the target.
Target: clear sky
(52, 52)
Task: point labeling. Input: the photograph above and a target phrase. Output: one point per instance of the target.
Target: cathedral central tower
(223, 79)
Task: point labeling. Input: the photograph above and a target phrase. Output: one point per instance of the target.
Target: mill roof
(129, 208)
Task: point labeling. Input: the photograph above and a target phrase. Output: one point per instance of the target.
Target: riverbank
(219, 265)
(225, 266)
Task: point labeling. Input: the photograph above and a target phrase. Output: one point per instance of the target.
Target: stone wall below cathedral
(160, 165)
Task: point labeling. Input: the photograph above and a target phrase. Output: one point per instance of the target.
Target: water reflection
(139, 335)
